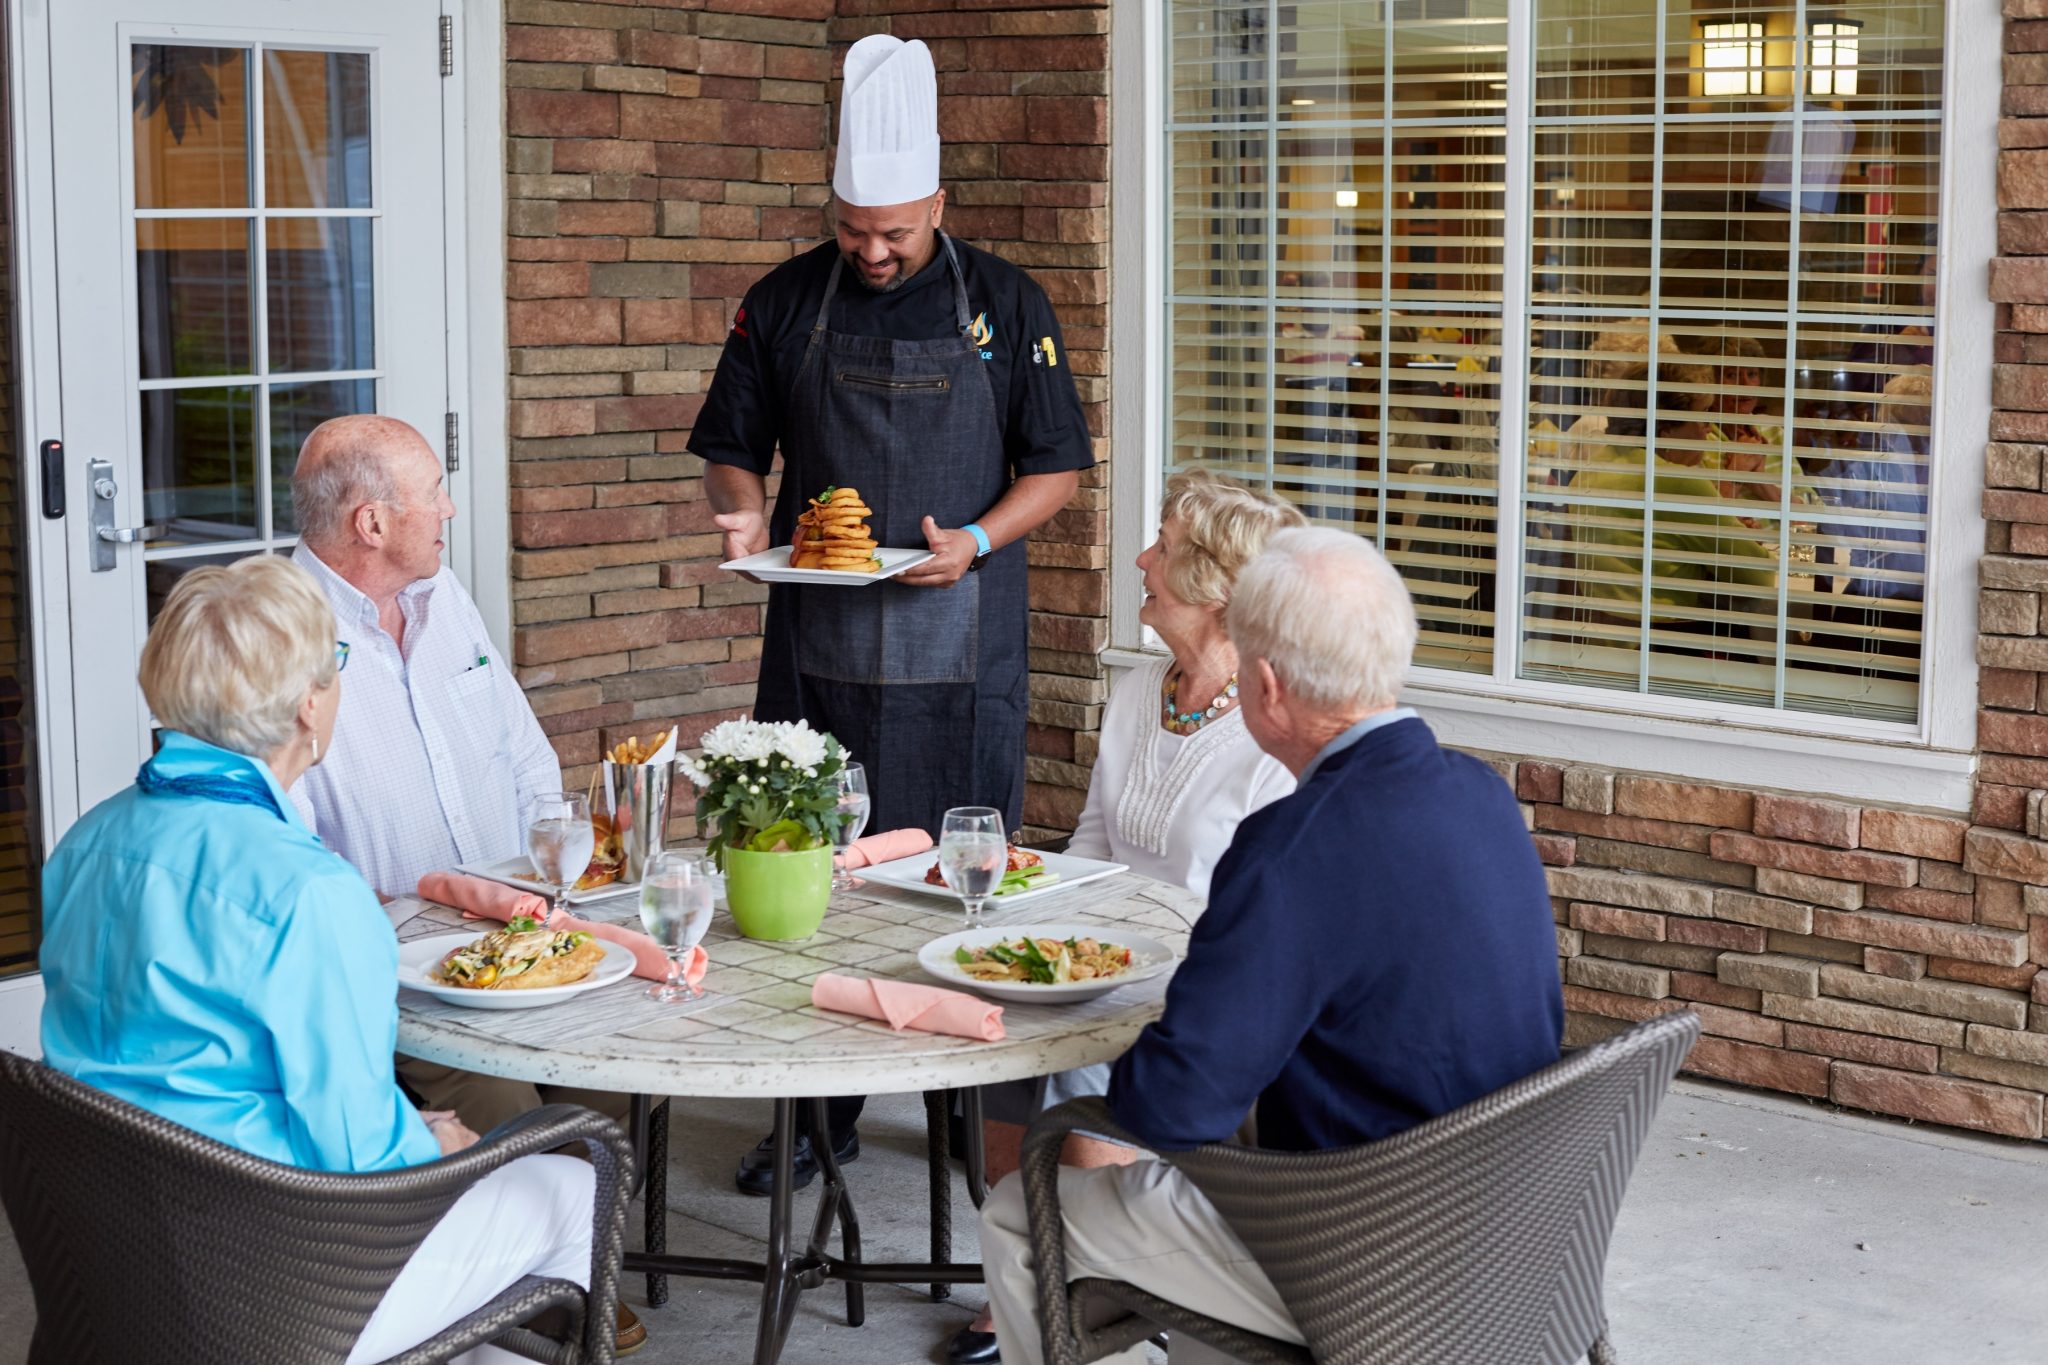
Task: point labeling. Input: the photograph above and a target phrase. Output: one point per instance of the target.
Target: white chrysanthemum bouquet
(766, 786)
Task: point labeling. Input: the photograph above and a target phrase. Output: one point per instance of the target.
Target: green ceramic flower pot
(778, 896)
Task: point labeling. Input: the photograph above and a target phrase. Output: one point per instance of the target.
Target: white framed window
(1679, 253)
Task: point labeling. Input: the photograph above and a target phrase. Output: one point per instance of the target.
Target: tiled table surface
(755, 1032)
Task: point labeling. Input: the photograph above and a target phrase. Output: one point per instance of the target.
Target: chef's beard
(895, 282)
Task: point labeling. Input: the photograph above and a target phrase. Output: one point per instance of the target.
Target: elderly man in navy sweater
(1377, 950)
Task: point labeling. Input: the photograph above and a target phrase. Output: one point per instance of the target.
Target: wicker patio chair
(146, 1241)
(1480, 1235)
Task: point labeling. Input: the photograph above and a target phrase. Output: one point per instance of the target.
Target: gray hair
(349, 466)
(1331, 616)
(235, 650)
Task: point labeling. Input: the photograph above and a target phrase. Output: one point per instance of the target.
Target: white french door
(234, 223)
(249, 240)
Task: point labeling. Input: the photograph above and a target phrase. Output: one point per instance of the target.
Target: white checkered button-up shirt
(436, 752)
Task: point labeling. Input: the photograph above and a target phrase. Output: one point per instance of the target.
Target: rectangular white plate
(519, 872)
(772, 566)
(907, 874)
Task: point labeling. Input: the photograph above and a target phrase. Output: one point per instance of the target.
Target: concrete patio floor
(1757, 1229)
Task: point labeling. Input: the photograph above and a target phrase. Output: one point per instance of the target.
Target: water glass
(853, 807)
(974, 853)
(675, 907)
(559, 839)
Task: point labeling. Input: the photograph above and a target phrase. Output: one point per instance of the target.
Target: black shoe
(756, 1174)
(969, 1347)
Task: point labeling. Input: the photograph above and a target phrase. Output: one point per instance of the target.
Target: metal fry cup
(638, 797)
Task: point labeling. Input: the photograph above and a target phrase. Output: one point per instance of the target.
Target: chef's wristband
(982, 546)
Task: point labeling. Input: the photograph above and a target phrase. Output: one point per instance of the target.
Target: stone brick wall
(1876, 957)
(662, 157)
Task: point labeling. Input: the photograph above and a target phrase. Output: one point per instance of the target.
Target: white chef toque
(888, 123)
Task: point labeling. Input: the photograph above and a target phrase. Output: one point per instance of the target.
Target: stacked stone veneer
(1875, 957)
(663, 156)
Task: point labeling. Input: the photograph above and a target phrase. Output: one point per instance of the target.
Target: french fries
(635, 750)
(832, 533)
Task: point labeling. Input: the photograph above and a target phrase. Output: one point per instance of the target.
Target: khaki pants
(484, 1102)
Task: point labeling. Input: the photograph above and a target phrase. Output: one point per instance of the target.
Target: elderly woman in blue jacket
(207, 960)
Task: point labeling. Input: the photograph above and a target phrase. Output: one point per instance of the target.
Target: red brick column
(1024, 114)
(661, 159)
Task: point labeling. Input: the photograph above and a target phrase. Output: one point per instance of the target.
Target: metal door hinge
(453, 427)
(447, 44)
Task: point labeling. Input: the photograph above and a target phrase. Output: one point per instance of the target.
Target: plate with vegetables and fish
(1031, 875)
(1044, 963)
(521, 966)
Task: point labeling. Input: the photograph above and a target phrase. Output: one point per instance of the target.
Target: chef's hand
(746, 533)
(952, 552)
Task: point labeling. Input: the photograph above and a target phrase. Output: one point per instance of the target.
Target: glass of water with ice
(559, 839)
(973, 855)
(675, 905)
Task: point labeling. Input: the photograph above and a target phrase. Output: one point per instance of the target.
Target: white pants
(1144, 1224)
(529, 1217)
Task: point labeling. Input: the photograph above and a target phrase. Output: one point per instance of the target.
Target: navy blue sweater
(1377, 950)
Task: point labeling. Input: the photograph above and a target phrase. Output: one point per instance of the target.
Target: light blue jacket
(209, 961)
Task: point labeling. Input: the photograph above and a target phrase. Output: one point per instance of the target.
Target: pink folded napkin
(479, 898)
(905, 1004)
(887, 846)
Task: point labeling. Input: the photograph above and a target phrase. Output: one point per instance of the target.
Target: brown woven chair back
(147, 1241)
(1479, 1236)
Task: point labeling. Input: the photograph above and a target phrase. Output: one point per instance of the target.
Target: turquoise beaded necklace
(1182, 722)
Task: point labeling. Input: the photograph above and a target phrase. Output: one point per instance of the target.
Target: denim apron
(927, 687)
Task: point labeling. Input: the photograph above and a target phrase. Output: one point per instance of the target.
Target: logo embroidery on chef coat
(981, 334)
(737, 319)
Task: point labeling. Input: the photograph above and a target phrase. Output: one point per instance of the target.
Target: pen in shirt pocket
(483, 659)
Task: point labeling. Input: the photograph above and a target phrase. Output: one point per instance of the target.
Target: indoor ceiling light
(1347, 199)
(1732, 58)
(1832, 55)
(1299, 102)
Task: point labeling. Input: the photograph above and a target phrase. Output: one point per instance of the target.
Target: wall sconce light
(1732, 58)
(1347, 199)
(1832, 56)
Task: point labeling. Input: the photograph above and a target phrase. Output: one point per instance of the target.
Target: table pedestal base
(788, 1273)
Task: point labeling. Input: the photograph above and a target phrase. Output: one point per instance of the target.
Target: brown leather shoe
(632, 1333)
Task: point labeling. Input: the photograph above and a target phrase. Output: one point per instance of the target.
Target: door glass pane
(191, 116)
(320, 315)
(295, 409)
(199, 463)
(192, 279)
(316, 130)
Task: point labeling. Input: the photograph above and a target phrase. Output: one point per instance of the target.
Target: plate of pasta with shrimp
(1044, 963)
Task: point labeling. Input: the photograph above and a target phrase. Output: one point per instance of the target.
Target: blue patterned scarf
(206, 786)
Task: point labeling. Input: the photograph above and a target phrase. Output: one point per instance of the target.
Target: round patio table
(756, 1034)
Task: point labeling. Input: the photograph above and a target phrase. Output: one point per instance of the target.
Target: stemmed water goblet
(560, 840)
(851, 817)
(675, 906)
(973, 855)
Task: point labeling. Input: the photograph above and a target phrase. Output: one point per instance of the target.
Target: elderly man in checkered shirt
(436, 753)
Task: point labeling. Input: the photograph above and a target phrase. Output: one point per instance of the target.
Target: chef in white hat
(932, 377)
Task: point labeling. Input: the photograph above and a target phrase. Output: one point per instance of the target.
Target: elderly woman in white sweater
(1177, 769)
(1176, 772)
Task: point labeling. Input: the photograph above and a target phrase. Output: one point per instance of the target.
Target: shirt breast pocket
(468, 712)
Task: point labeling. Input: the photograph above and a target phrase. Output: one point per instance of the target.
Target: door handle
(99, 477)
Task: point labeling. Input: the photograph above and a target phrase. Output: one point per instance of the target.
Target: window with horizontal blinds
(1334, 290)
(1729, 246)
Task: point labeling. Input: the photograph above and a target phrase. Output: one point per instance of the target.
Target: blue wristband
(980, 538)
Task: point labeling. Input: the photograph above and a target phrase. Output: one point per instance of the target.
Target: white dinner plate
(772, 566)
(907, 874)
(1149, 957)
(417, 960)
(519, 872)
